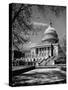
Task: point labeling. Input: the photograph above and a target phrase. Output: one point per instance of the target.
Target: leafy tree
(63, 43)
(21, 24)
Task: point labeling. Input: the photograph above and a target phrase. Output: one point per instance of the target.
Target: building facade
(43, 53)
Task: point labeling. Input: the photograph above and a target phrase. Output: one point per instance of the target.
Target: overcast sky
(41, 17)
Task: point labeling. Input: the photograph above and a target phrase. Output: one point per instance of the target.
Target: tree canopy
(21, 23)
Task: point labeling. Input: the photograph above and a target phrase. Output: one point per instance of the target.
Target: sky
(41, 17)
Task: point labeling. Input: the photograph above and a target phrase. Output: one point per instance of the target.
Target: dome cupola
(50, 34)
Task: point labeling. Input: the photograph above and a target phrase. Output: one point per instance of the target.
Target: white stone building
(43, 53)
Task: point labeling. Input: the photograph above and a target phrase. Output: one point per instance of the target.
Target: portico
(47, 48)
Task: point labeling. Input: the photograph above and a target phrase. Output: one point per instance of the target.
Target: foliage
(21, 23)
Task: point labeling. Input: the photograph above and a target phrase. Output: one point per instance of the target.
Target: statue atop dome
(50, 22)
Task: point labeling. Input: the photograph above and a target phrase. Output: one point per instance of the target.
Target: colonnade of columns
(40, 53)
(43, 52)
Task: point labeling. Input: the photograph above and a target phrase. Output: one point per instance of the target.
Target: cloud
(39, 24)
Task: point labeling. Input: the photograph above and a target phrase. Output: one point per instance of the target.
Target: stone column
(50, 51)
(46, 52)
(38, 51)
(41, 52)
(56, 50)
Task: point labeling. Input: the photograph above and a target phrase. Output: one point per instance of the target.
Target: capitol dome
(50, 34)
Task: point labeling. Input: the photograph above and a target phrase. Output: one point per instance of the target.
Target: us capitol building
(43, 53)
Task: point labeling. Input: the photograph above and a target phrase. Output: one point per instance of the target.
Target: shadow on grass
(18, 72)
